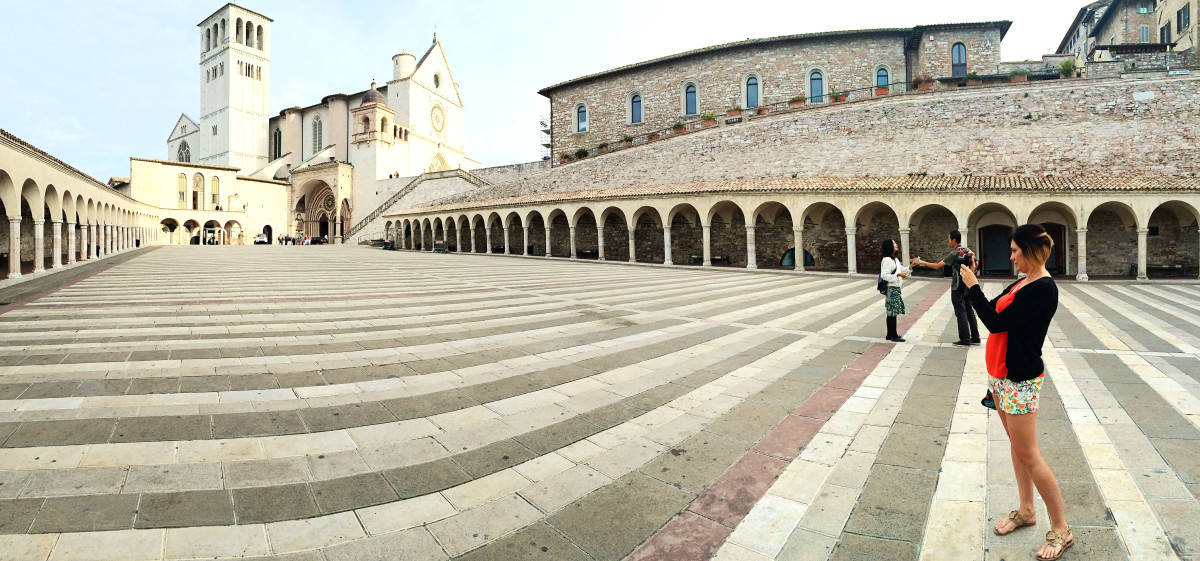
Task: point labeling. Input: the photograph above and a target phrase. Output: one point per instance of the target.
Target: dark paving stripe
(894, 504)
(747, 301)
(875, 326)
(715, 296)
(782, 311)
(1176, 323)
(1125, 326)
(1187, 365)
(46, 283)
(300, 500)
(1078, 334)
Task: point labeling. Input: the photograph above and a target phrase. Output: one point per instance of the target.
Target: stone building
(1126, 22)
(1078, 40)
(606, 107)
(1175, 22)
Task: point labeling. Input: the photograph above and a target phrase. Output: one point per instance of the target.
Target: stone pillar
(506, 248)
(337, 229)
(487, 239)
(71, 243)
(56, 244)
(547, 241)
(600, 242)
(524, 240)
(751, 254)
(798, 241)
(667, 246)
(851, 257)
(571, 231)
(1081, 247)
(39, 246)
(14, 248)
(707, 242)
(472, 236)
(904, 232)
(1141, 273)
(85, 238)
(632, 248)
(93, 248)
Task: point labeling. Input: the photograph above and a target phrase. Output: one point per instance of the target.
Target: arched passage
(439, 234)
(647, 240)
(495, 233)
(269, 232)
(773, 235)
(1059, 221)
(929, 233)
(479, 231)
(616, 234)
(516, 234)
(990, 226)
(213, 233)
(825, 237)
(560, 234)
(587, 241)
(687, 235)
(233, 233)
(451, 234)
(1112, 241)
(191, 229)
(171, 231)
(426, 235)
(727, 234)
(1172, 240)
(874, 223)
(537, 233)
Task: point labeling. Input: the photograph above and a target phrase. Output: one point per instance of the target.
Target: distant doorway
(993, 255)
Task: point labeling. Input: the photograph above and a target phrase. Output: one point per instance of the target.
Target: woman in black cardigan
(1018, 320)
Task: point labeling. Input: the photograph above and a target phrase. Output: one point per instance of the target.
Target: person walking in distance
(1018, 320)
(891, 276)
(968, 328)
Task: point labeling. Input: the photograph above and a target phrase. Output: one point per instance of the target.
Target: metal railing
(408, 189)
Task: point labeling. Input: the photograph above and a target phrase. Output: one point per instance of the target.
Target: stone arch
(774, 235)
(451, 225)
(1112, 240)
(873, 222)
(989, 227)
(233, 233)
(587, 234)
(824, 227)
(537, 233)
(465, 234)
(1060, 222)
(687, 235)
(495, 233)
(406, 235)
(389, 233)
(479, 234)
(439, 232)
(646, 240)
(560, 233)
(727, 234)
(426, 234)
(616, 234)
(1172, 239)
(516, 233)
(930, 227)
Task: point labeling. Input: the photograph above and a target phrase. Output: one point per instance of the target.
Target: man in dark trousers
(968, 329)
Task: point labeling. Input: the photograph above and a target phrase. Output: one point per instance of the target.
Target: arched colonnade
(1137, 234)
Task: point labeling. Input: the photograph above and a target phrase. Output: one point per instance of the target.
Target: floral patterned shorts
(1016, 398)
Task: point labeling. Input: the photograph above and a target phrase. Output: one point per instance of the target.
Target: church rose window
(958, 60)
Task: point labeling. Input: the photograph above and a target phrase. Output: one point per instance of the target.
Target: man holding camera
(968, 329)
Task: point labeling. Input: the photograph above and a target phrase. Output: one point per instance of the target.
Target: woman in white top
(892, 271)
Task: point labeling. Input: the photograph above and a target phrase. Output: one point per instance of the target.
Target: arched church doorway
(268, 232)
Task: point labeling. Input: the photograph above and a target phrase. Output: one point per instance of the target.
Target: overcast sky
(96, 82)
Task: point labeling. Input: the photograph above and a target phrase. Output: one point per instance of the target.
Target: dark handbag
(882, 285)
(987, 401)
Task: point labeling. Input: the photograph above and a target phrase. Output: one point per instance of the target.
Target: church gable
(183, 127)
(433, 72)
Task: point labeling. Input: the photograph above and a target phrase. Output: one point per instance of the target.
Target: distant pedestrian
(968, 328)
(892, 274)
(1018, 320)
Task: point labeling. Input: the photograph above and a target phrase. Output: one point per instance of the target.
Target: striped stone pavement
(343, 403)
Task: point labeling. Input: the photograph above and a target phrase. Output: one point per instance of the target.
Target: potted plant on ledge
(1018, 75)
(581, 153)
(1067, 68)
(734, 111)
(923, 83)
(839, 96)
(653, 136)
(602, 148)
(882, 90)
(762, 110)
(796, 102)
(565, 158)
(973, 79)
(708, 120)
(626, 142)
(678, 127)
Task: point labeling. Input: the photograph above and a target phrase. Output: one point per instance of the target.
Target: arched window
(316, 135)
(689, 99)
(881, 78)
(635, 108)
(276, 144)
(216, 192)
(216, 35)
(197, 189)
(224, 32)
(185, 153)
(816, 87)
(259, 44)
(237, 31)
(958, 60)
(182, 186)
(249, 34)
(581, 118)
(221, 72)
(258, 73)
(207, 39)
(366, 124)
(383, 125)
(751, 92)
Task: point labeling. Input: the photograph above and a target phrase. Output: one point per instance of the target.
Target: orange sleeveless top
(997, 344)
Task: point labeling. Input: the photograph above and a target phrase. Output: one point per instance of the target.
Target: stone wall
(983, 51)
(1031, 129)
(500, 174)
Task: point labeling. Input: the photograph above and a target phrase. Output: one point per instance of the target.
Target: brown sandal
(1019, 521)
(1054, 539)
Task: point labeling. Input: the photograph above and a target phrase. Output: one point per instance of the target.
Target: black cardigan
(1026, 319)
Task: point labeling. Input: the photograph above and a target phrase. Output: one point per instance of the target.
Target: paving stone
(558, 435)
(493, 457)
(16, 515)
(11, 482)
(747, 422)
(183, 509)
(853, 547)
(356, 491)
(79, 481)
(610, 522)
(476, 527)
(50, 389)
(913, 446)
(156, 429)
(425, 478)
(172, 477)
(271, 504)
(259, 473)
(146, 386)
(352, 415)
(807, 544)
(696, 462)
(86, 513)
(416, 544)
(538, 542)
(894, 503)
(428, 404)
(60, 433)
(267, 423)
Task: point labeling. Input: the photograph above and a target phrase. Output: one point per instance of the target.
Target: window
(1183, 18)
(258, 73)
(207, 76)
(221, 68)
(216, 192)
(751, 92)
(249, 34)
(689, 99)
(881, 78)
(816, 86)
(581, 118)
(1145, 7)
(214, 130)
(184, 154)
(1164, 33)
(182, 187)
(437, 81)
(197, 187)
(958, 60)
(1145, 33)
(316, 135)
(635, 108)
(207, 39)
(260, 38)
(237, 31)
(276, 144)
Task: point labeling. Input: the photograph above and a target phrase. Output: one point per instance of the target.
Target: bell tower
(235, 78)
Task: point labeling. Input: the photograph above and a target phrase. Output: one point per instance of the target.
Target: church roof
(372, 95)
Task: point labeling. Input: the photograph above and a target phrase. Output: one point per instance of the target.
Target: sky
(94, 83)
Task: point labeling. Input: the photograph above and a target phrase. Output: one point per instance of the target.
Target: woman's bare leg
(1022, 434)
(1024, 483)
